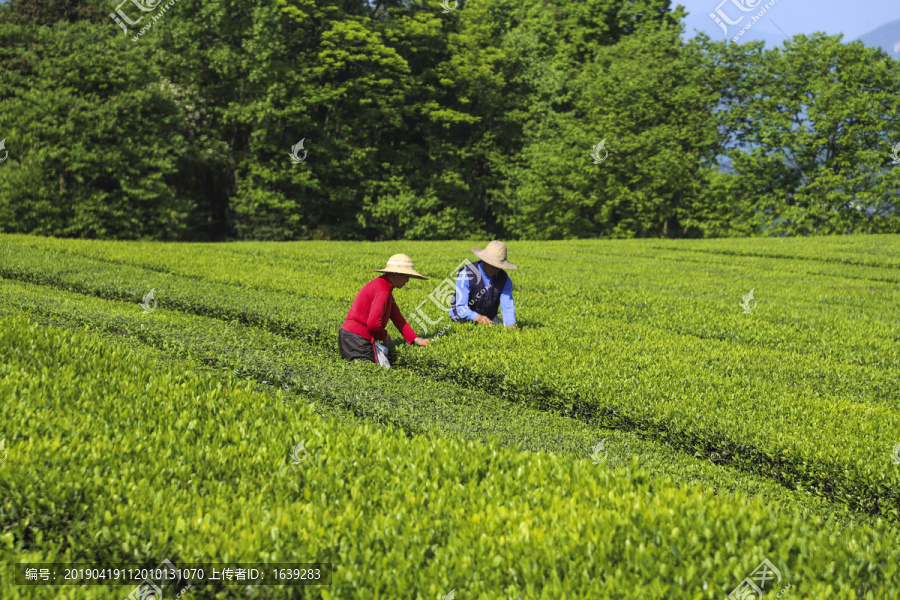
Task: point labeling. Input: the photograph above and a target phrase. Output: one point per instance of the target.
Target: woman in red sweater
(373, 307)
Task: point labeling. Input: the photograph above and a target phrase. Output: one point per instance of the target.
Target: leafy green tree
(364, 88)
(96, 139)
(813, 125)
(420, 124)
(640, 94)
(48, 12)
(265, 69)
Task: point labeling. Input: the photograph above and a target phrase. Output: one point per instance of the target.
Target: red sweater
(372, 308)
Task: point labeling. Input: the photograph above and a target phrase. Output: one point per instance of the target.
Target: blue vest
(482, 299)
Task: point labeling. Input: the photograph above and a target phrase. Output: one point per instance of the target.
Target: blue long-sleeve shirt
(507, 308)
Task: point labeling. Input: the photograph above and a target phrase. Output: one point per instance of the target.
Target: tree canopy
(422, 124)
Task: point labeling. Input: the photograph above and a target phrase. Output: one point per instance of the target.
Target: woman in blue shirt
(483, 288)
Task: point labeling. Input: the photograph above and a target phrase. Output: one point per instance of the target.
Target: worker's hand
(387, 340)
(483, 320)
(513, 325)
(422, 341)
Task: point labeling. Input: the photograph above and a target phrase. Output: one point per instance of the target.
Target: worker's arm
(377, 311)
(507, 307)
(400, 323)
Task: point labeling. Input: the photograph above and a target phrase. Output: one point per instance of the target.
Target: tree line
(422, 123)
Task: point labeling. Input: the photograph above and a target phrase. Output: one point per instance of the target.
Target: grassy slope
(432, 408)
(445, 418)
(671, 304)
(593, 530)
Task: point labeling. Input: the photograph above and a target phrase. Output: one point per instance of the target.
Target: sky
(853, 18)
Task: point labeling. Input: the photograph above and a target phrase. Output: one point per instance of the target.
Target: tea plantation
(474, 467)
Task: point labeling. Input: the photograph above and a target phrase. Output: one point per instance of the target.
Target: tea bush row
(757, 391)
(116, 459)
(396, 397)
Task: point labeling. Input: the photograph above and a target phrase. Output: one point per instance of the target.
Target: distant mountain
(886, 36)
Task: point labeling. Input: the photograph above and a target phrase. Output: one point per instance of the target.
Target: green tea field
(647, 431)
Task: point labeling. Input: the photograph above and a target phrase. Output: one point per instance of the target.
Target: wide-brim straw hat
(402, 264)
(495, 255)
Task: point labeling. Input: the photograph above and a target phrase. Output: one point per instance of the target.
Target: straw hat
(495, 255)
(402, 264)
